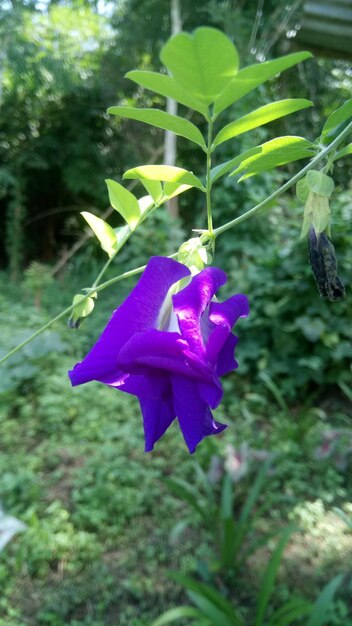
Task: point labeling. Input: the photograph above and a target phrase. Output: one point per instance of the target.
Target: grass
(99, 544)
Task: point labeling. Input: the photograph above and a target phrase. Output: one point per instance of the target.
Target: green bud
(83, 307)
(194, 254)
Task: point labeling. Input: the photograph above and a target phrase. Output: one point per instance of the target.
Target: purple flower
(169, 350)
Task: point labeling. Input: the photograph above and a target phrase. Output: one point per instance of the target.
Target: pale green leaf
(251, 77)
(343, 152)
(202, 63)
(168, 87)
(145, 203)
(122, 233)
(174, 189)
(124, 202)
(222, 169)
(154, 188)
(173, 615)
(163, 120)
(320, 183)
(337, 117)
(259, 117)
(104, 233)
(274, 153)
(165, 173)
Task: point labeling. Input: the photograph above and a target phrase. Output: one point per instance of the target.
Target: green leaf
(205, 597)
(145, 203)
(274, 153)
(320, 612)
(251, 77)
(222, 169)
(337, 117)
(168, 87)
(320, 183)
(124, 202)
(174, 189)
(164, 120)
(154, 188)
(121, 234)
(343, 152)
(166, 173)
(104, 233)
(180, 612)
(259, 117)
(203, 63)
(269, 576)
(187, 493)
(290, 612)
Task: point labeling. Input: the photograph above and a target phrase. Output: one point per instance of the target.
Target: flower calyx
(315, 190)
(195, 255)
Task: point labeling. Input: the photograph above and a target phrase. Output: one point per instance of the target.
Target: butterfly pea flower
(168, 344)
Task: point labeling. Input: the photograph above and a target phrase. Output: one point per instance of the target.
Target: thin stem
(108, 283)
(287, 185)
(211, 232)
(208, 179)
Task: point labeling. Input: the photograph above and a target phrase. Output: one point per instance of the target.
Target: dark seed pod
(74, 323)
(323, 262)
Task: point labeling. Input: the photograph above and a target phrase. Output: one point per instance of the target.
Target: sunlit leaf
(168, 87)
(203, 63)
(320, 183)
(165, 173)
(274, 153)
(222, 169)
(175, 189)
(259, 117)
(337, 117)
(163, 120)
(343, 152)
(124, 202)
(104, 233)
(173, 615)
(145, 203)
(154, 188)
(251, 77)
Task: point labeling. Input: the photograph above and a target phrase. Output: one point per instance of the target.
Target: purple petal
(158, 411)
(226, 361)
(224, 315)
(138, 313)
(164, 351)
(194, 416)
(191, 302)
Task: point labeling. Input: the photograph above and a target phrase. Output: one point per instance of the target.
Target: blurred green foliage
(100, 517)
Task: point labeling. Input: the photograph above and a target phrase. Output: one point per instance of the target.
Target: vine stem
(69, 309)
(208, 179)
(218, 231)
(321, 155)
